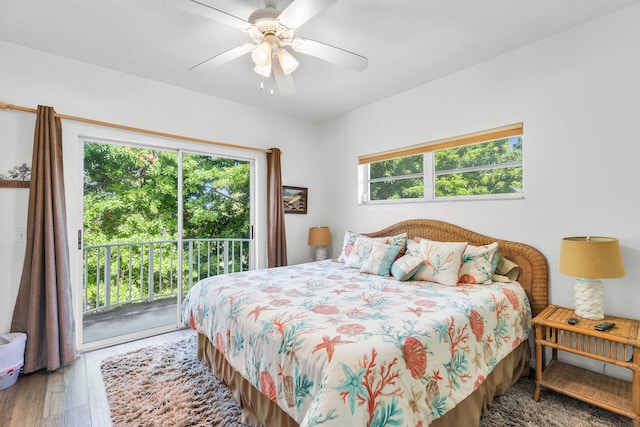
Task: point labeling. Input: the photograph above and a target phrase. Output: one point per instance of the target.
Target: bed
(326, 344)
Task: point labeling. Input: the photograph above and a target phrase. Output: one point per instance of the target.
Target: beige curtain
(43, 308)
(276, 237)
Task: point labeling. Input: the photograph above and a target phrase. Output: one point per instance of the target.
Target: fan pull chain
(271, 92)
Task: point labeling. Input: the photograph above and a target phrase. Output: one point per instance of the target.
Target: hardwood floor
(69, 397)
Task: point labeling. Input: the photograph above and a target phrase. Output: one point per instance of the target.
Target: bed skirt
(259, 411)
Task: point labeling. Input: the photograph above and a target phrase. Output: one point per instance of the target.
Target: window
(401, 178)
(482, 165)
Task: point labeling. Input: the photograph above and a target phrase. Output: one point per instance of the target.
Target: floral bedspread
(335, 347)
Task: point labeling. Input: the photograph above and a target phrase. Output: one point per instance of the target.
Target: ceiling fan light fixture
(287, 61)
(261, 55)
(271, 30)
(263, 70)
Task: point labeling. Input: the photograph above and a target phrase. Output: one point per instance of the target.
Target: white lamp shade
(287, 61)
(261, 55)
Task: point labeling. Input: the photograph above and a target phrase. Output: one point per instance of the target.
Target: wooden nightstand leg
(635, 388)
(539, 363)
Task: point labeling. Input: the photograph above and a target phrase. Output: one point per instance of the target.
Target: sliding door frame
(77, 237)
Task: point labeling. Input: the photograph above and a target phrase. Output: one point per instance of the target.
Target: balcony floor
(128, 319)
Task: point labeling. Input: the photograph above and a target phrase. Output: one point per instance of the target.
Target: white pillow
(477, 264)
(413, 247)
(442, 262)
(361, 250)
(405, 267)
(380, 260)
(350, 239)
(347, 245)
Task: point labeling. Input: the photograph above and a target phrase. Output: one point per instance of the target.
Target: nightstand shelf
(618, 346)
(600, 390)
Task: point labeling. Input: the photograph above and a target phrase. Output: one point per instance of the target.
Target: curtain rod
(5, 106)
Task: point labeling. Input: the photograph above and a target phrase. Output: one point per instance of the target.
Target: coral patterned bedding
(335, 347)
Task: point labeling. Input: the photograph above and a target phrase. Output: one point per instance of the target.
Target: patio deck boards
(128, 319)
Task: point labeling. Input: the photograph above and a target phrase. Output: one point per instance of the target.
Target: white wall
(13, 208)
(29, 78)
(578, 95)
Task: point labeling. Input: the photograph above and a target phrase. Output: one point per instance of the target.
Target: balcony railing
(123, 273)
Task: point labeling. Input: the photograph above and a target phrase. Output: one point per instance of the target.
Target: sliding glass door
(156, 221)
(216, 213)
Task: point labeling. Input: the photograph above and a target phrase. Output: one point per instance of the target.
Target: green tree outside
(131, 195)
(496, 180)
(462, 171)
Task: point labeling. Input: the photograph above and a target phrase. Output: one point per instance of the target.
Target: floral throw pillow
(361, 250)
(405, 267)
(478, 264)
(413, 248)
(347, 245)
(350, 240)
(380, 260)
(398, 240)
(442, 262)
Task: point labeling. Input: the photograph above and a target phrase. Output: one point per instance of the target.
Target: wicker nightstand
(619, 346)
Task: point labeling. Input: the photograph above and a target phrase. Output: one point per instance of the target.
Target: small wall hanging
(18, 177)
(294, 199)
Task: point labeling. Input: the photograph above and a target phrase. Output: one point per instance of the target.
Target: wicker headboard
(534, 271)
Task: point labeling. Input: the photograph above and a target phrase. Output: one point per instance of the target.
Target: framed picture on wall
(294, 199)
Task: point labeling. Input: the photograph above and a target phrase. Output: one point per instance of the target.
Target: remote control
(604, 326)
(572, 320)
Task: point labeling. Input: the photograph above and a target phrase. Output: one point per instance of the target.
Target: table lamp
(590, 258)
(320, 237)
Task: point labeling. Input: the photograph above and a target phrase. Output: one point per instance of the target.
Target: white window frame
(429, 173)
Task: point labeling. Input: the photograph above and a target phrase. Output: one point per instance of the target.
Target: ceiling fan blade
(203, 9)
(284, 82)
(224, 57)
(330, 53)
(299, 12)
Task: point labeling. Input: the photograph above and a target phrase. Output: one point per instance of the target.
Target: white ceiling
(408, 42)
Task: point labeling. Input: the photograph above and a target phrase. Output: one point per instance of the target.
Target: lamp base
(589, 298)
(321, 253)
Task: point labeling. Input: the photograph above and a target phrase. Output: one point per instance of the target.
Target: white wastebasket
(11, 357)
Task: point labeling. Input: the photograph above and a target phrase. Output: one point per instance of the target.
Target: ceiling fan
(272, 31)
